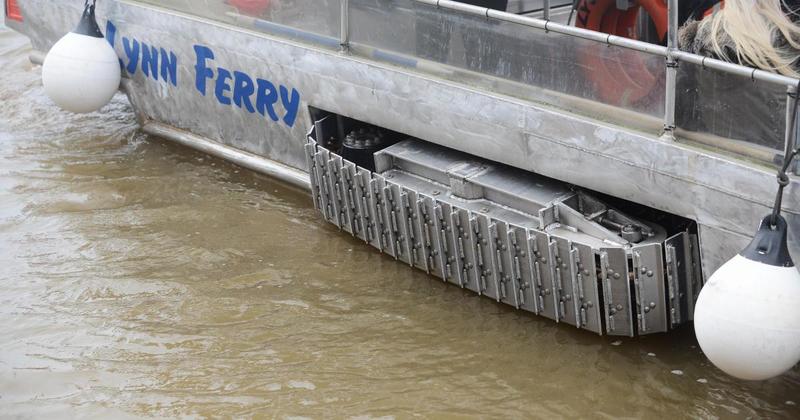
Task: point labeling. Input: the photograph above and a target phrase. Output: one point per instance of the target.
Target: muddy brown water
(141, 279)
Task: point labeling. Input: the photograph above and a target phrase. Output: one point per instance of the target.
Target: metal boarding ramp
(523, 240)
(437, 211)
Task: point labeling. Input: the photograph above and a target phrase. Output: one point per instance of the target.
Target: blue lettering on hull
(235, 88)
(239, 89)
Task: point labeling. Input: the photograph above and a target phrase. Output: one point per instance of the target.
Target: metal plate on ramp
(587, 294)
(648, 268)
(539, 250)
(523, 271)
(615, 270)
(679, 275)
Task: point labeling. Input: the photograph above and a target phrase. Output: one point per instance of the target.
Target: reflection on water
(142, 279)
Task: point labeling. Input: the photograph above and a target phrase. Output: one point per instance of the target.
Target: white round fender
(81, 73)
(747, 317)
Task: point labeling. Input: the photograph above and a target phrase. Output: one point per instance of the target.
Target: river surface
(141, 279)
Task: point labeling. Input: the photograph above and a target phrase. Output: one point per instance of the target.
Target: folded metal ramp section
(504, 235)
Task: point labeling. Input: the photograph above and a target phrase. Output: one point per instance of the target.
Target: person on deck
(763, 34)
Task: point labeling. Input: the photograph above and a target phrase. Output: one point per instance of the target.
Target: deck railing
(673, 56)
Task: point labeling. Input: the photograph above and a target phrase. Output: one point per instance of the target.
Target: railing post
(790, 140)
(672, 70)
(546, 9)
(344, 35)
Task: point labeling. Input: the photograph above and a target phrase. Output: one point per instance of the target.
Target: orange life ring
(625, 80)
(592, 13)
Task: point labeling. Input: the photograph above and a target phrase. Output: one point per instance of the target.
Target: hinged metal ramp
(524, 240)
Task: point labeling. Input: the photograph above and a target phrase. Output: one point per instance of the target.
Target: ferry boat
(525, 155)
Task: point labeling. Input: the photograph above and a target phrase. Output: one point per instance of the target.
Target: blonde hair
(761, 33)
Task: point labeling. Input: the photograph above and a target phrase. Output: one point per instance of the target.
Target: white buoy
(81, 73)
(747, 317)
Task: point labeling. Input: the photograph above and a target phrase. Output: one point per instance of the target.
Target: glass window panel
(314, 21)
(731, 112)
(556, 69)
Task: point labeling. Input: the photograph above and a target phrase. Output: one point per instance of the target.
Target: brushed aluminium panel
(398, 219)
(588, 295)
(431, 233)
(486, 256)
(475, 242)
(525, 283)
(448, 242)
(697, 277)
(321, 163)
(464, 251)
(347, 172)
(565, 280)
(423, 244)
(311, 151)
(418, 255)
(362, 210)
(368, 208)
(439, 240)
(335, 191)
(385, 233)
(539, 242)
(534, 269)
(615, 271)
(648, 269)
(506, 280)
(678, 271)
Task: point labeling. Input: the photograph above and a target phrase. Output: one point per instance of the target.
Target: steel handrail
(618, 41)
(671, 53)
